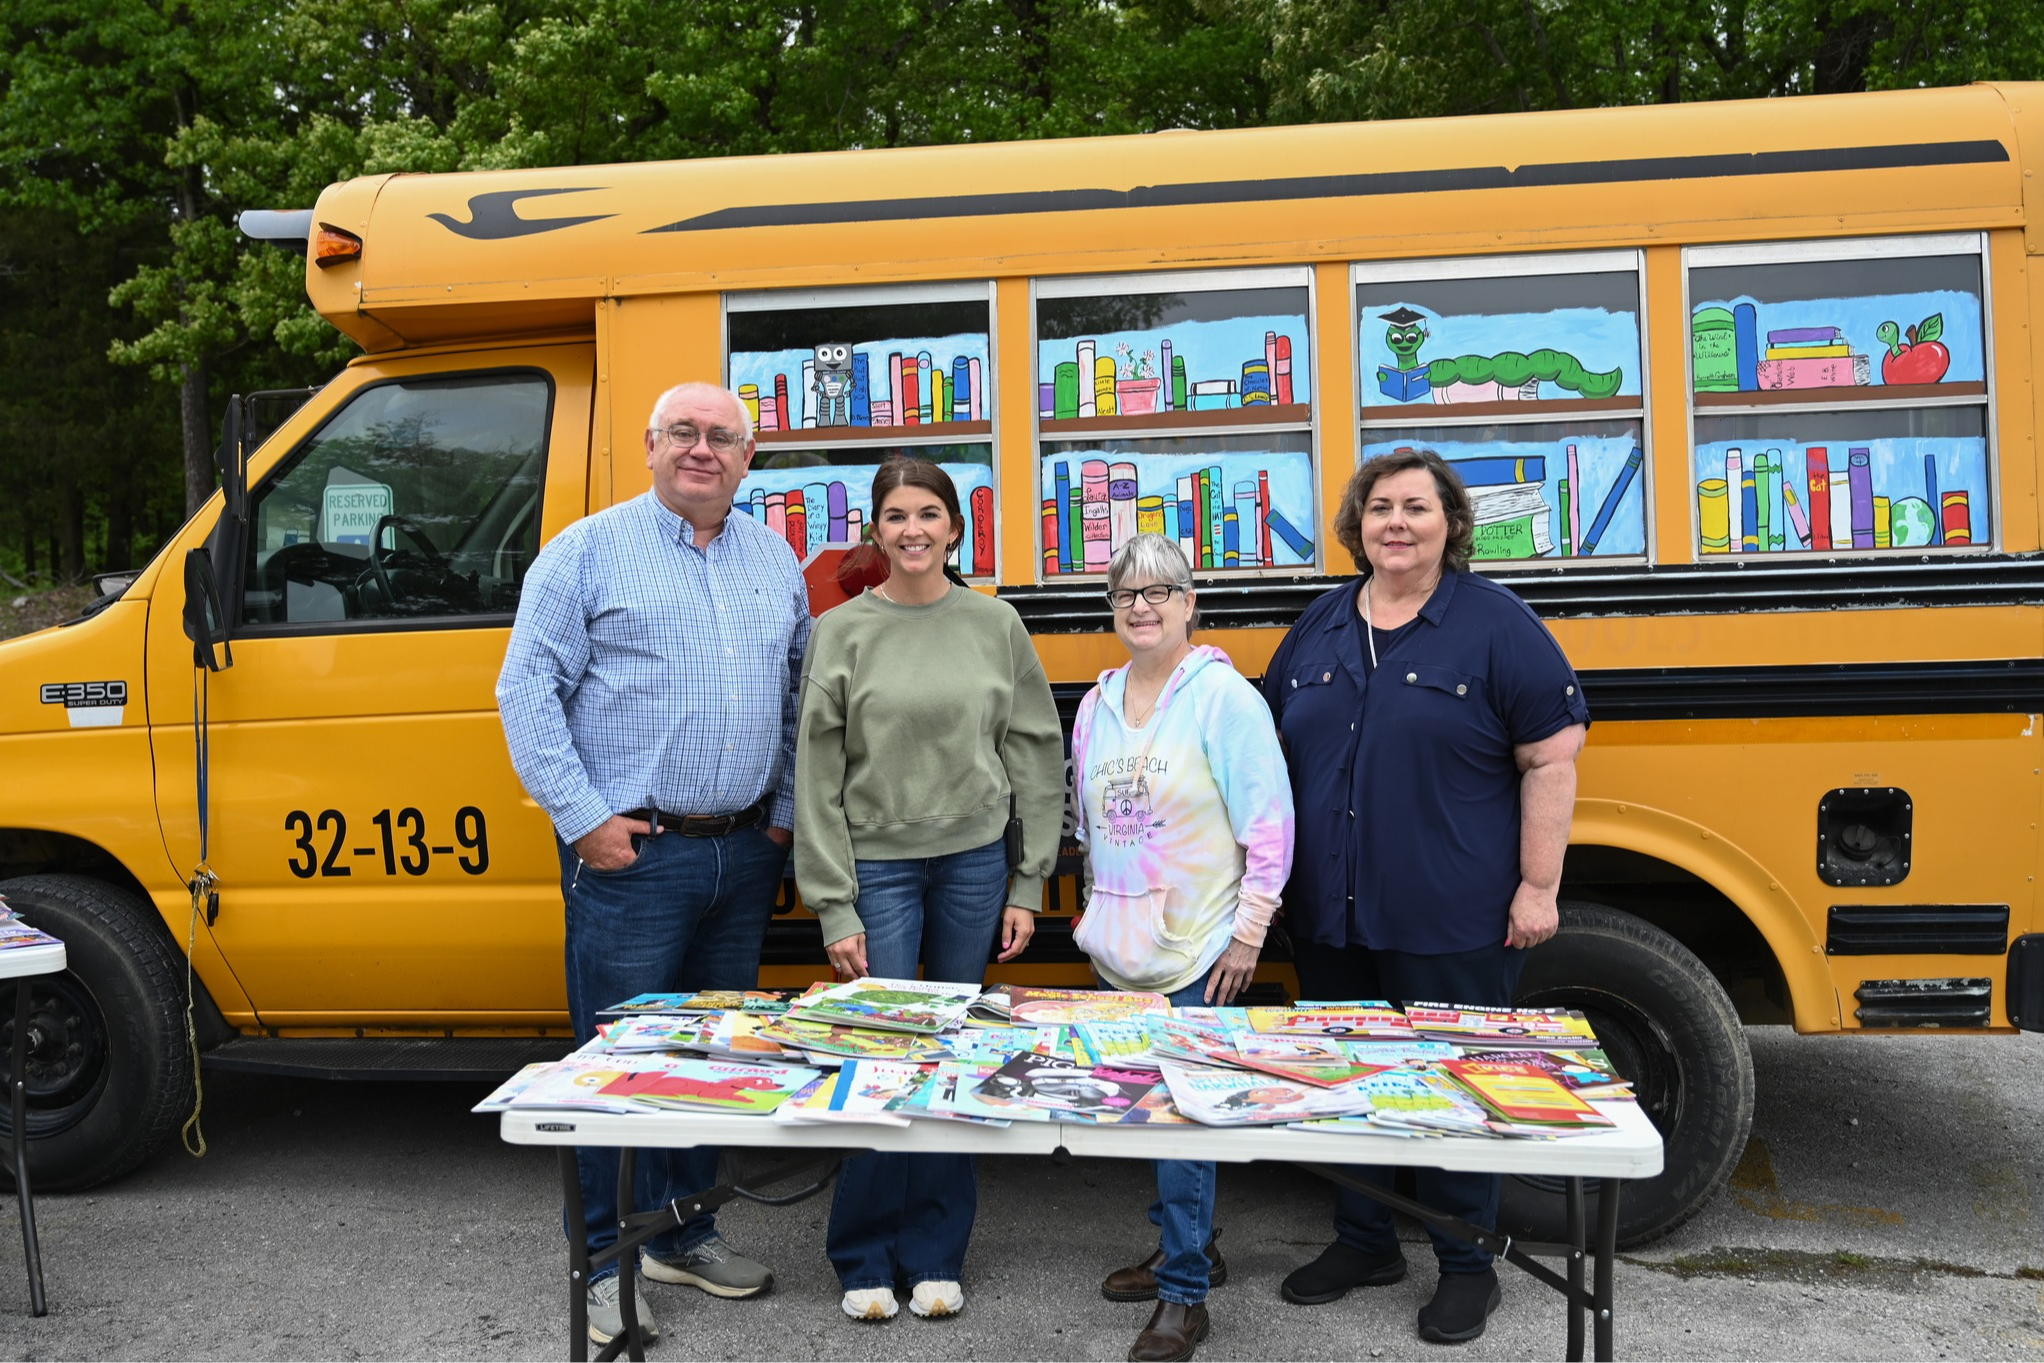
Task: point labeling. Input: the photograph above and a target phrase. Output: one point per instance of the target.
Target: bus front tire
(111, 1076)
(1667, 1025)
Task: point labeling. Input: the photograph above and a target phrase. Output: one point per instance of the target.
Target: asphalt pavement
(1888, 1207)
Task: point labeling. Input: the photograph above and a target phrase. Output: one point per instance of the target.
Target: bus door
(377, 855)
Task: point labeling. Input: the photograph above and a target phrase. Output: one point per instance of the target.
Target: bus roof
(512, 251)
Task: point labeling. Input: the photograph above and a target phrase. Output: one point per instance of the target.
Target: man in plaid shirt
(649, 700)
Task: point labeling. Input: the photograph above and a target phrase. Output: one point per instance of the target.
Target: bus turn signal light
(332, 246)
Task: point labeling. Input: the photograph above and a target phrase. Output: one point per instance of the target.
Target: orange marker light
(332, 246)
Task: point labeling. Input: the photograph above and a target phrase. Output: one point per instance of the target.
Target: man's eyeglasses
(718, 439)
(1157, 593)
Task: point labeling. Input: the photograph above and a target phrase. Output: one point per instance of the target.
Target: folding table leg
(18, 1084)
(578, 1258)
(1607, 1251)
(628, 1258)
(1577, 1246)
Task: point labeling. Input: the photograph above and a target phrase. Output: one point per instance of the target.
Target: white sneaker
(607, 1318)
(870, 1303)
(941, 1298)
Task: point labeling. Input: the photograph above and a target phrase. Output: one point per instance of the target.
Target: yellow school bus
(1744, 394)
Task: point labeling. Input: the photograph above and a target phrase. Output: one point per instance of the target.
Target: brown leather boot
(1173, 1333)
(1138, 1282)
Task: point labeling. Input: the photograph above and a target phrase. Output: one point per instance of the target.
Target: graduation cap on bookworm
(1403, 317)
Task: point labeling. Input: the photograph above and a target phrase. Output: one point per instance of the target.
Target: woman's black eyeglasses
(1157, 593)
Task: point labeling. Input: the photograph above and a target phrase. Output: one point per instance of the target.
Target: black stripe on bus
(1995, 686)
(1585, 591)
(1897, 156)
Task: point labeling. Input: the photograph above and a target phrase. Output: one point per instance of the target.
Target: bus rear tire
(1667, 1025)
(112, 1075)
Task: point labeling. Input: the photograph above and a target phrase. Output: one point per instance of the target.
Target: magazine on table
(1221, 1097)
(1371, 1019)
(860, 1091)
(968, 1100)
(1042, 1007)
(937, 1098)
(993, 1004)
(636, 1083)
(823, 1039)
(1190, 1042)
(889, 1005)
(1067, 1088)
(1521, 1094)
(1124, 1044)
(1587, 1074)
(700, 1001)
(1004, 1044)
(1501, 1028)
(1405, 1098)
(501, 1096)
(1322, 1061)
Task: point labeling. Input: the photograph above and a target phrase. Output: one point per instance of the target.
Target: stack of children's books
(14, 933)
(895, 1051)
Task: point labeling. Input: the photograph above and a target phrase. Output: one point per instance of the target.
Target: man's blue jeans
(1184, 1209)
(689, 914)
(899, 1220)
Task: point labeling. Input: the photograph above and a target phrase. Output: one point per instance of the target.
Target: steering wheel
(379, 567)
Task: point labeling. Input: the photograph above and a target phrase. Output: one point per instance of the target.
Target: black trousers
(1486, 976)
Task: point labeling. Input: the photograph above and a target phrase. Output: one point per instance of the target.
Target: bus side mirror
(233, 472)
(205, 622)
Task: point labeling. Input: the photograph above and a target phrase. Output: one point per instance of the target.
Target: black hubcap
(66, 1052)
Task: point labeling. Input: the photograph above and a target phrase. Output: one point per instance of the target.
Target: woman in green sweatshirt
(924, 708)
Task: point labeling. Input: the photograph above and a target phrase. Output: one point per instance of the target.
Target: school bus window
(1523, 482)
(418, 498)
(1840, 391)
(1179, 404)
(838, 380)
(1906, 478)
(1525, 373)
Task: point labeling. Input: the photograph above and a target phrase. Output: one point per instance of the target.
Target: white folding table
(1630, 1150)
(20, 963)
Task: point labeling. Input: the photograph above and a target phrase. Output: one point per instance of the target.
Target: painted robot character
(833, 384)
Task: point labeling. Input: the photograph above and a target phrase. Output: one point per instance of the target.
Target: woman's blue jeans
(1184, 1210)
(899, 1219)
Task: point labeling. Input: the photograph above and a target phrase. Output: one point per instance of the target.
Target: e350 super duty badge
(90, 705)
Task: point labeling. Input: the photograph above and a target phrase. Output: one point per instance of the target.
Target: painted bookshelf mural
(1543, 491)
(828, 504)
(1195, 366)
(1232, 508)
(894, 383)
(1784, 495)
(1572, 338)
(1775, 332)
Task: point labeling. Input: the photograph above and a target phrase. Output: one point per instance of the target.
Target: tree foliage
(132, 132)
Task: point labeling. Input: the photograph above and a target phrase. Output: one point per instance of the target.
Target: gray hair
(1152, 558)
(681, 390)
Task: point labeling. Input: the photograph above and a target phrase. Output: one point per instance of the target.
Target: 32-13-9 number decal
(320, 843)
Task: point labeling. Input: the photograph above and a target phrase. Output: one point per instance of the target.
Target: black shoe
(1462, 1304)
(1337, 1270)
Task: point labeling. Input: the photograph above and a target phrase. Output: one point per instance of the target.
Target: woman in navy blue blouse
(1432, 725)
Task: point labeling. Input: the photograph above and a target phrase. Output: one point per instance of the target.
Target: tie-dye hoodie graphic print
(1186, 823)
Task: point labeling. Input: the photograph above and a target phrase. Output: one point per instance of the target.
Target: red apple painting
(1921, 358)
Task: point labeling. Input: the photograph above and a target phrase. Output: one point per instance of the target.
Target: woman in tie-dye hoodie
(1184, 809)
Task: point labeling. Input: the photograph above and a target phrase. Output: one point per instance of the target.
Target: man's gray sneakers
(606, 1319)
(713, 1266)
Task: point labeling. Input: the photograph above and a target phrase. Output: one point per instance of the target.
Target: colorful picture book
(1521, 1094)
(1374, 1020)
(1043, 1007)
(1219, 1097)
(864, 1043)
(1500, 1027)
(700, 1001)
(1587, 1074)
(1318, 1060)
(1055, 1084)
(889, 1005)
(624, 1083)
(860, 1091)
